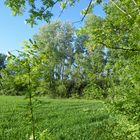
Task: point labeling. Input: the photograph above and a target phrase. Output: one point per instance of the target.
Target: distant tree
(60, 51)
(2, 65)
(55, 48)
(2, 60)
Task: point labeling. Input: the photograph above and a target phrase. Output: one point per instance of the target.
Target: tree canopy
(42, 9)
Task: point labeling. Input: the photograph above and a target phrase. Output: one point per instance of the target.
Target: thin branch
(124, 49)
(42, 12)
(87, 10)
(61, 13)
(76, 22)
(62, 10)
(136, 5)
(84, 14)
(121, 9)
(134, 2)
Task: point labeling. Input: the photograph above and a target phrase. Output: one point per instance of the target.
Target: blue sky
(13, 30)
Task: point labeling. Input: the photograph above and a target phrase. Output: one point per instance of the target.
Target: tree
(119, 33)
(121, 37)
(55, 48)
(61, 52)
(57, 63)
(20, 77)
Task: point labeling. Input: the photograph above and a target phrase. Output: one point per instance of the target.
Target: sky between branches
(13, 30)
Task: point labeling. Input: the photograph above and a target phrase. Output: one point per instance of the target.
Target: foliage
(121, 41)
(19, 69)
(2, 60)
(40, 10)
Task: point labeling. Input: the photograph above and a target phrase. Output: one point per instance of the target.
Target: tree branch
(134, 2)
(121, 9)
(62, 10)
(85, 13)
(124, 49)
(87, 10)
(136, 5)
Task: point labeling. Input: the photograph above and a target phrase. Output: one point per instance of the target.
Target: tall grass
(58, 119)
(61, 119)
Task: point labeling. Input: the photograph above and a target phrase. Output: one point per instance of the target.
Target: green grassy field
(58, 119)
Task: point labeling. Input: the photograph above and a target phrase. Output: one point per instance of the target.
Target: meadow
(56, 119)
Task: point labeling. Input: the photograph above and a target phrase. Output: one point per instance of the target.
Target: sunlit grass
(60, 119)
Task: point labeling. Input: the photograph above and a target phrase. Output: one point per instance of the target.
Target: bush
(92, 92)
